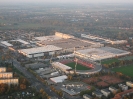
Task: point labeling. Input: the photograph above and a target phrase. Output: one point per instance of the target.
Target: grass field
(126, 70)
(126, 58)
(79, 67)
(109, 61)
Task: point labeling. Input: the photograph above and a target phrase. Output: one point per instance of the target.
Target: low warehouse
(95, 54)
(40, 51)
(59, 79)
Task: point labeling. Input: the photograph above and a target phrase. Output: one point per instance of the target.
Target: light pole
(75, 64)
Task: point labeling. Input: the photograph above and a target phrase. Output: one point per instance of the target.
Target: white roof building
(100, 53)
(105, 92)
(129, 83)
(5, 43)
(113, 89)
(59, 79)
(22, 41)
(48, 38)
(61, 66)
(39, 51)
(106, 40)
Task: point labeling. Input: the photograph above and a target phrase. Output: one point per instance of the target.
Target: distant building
(113, 89)
(129, 83)
(105, 92)
(95, 54)
(6, 44)
(118, 42)
(7, 77)
(9, 81)
(62, 35)
(2, 69)
(58, 79)
(86, 96)
(122, 94)
(96, 38)
(39, 51)
(97, 94)
(67, 42)
(61, 66)
(123, 87)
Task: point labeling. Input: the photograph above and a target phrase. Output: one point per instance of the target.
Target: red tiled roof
(119, 95)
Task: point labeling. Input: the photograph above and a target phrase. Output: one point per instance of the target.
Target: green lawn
(109, 61)
(79, 67)
(126, 58)
(126, 70)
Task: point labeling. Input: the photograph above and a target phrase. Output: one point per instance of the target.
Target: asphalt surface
(34, 82)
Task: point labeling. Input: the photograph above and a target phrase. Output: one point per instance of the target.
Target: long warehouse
(40, 51)
(100, 53)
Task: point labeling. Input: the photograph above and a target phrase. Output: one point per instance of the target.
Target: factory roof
(59, 79)
(62, 66)
(48, 38)
(47, 48)
(102, 53)
(6, 43)
(22, 41)
(68, 43)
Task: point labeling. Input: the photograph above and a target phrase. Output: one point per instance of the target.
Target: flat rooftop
(48, 38)
(62, 66)
(21, 41)
(101, 53)
(47, 48)
(68, 43)
(59, 78)
(6, 43)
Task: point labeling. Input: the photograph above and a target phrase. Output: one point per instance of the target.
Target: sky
(69, 1)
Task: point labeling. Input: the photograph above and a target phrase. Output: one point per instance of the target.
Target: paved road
(34, 82)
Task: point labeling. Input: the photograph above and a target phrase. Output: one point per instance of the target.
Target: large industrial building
(40, 51)
(57, 36)
(103, 40)
(47, 45)
(10, 43)
(67, 42)
(95, 54)
(6, 44)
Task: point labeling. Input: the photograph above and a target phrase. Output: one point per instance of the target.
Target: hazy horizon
(66, 1)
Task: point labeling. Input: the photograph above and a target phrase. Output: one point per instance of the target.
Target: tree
(22, 86)
(41, 90)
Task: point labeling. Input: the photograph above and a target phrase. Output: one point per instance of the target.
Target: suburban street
(34, 82)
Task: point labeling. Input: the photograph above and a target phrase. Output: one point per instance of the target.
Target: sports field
(126, 70)
(78, 67)
(126, 58)
(109, 61)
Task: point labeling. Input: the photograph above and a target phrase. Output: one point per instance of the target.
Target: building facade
(129, 83)
(13, 81)
(7, 77)
(2, 69)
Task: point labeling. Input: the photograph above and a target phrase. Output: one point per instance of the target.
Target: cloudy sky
(82, 1)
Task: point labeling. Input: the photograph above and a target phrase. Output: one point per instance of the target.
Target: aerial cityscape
(66, 50)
